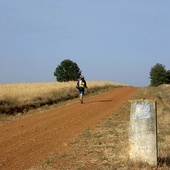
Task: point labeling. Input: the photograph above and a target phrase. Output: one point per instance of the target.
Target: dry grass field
(20, 98)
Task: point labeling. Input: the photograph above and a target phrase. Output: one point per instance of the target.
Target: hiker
(81, 85)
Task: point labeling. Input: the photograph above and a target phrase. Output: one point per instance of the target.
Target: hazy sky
(111, 40)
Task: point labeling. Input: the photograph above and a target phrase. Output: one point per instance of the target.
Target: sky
(110, 40)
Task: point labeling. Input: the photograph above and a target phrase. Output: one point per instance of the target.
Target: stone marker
(143, 131)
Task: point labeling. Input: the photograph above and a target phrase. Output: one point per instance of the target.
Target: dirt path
(25, 142)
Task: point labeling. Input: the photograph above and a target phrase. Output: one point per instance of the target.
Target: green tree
(158, 75)
(67, 70)
(168, 77)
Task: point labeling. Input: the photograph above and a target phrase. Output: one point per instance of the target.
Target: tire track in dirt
(25, 142)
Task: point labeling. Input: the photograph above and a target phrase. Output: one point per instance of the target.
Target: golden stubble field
(22, 97)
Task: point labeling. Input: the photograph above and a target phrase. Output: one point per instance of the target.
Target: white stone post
(143, 131)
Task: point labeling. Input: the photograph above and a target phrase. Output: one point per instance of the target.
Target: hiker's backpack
(80, 84)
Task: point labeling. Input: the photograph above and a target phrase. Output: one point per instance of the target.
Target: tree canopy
(159, 75)
(66, 71)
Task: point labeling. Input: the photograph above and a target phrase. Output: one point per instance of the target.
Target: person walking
(81, 85)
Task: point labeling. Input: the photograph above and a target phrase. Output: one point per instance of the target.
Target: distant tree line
(159, 75)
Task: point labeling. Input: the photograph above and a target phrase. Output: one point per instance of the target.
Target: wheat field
(21, 97)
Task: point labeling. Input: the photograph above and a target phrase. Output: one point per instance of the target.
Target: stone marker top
(141, 100)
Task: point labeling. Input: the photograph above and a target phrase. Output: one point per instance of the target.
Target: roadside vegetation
(105, 146)
(21, 98)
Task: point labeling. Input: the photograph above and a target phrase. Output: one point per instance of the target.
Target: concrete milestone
(143, 131)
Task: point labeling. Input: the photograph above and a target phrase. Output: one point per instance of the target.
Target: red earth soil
(24, 143)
